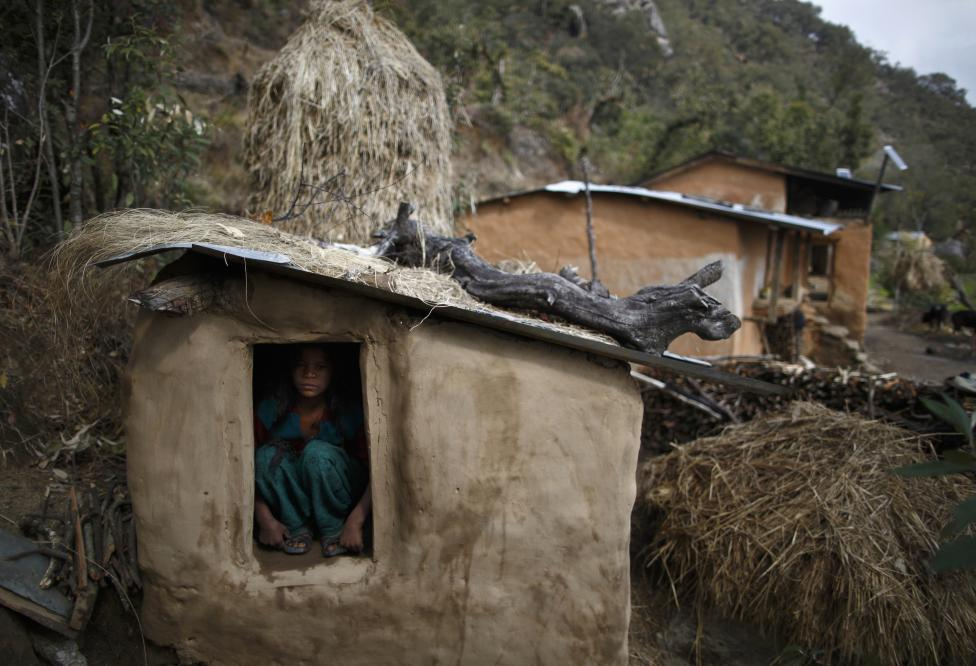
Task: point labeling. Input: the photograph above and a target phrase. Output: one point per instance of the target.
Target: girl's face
(312, 372)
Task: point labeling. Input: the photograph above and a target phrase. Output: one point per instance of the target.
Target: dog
(965, 319)
(936, 317)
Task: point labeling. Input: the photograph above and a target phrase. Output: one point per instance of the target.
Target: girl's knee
(262, 461)
(322, 454)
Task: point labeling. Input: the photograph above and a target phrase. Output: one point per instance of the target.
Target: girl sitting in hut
(311, 464)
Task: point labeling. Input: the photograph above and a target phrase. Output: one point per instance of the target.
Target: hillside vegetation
(640, 85)
(534, 83)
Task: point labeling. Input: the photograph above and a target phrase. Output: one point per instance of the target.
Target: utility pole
(889, 152)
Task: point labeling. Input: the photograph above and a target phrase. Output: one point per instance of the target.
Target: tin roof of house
(734, 210)
(796, 172)
(723, 208)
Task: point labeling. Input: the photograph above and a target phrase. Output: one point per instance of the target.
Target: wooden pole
(767, 267)
(877, 187)
(777, 268)
(81, 563)
(590, 234)
(797, 258)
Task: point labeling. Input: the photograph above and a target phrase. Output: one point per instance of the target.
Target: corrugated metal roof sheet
(773, 167)
(279, 264)
(701, 203)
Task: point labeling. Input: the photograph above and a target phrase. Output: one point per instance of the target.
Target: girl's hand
(352, 536)
(272, 533)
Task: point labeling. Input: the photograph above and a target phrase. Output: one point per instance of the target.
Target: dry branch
(648, 320)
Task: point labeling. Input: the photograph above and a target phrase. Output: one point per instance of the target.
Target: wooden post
(590, 234)
(777, 269)
(797, 258)
(831, 259)
(769, 257)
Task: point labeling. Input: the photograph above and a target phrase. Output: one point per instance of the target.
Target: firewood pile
(89, 536)
(687, 409)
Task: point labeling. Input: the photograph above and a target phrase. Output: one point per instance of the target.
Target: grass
(349, 117)
(794, 523)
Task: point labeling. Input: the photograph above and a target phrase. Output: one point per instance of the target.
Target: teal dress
(313, 484)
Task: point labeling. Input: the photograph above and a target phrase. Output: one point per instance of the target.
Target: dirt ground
(904, 345)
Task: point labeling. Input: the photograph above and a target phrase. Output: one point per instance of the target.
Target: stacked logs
(670, 419)
(91, 543)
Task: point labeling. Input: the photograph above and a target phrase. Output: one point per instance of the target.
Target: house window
(311, 454)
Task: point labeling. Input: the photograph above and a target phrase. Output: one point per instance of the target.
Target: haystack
(350, 118)
(794, 523)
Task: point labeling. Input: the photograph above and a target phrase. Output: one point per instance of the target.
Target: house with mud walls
(781, 232)
(502, 462)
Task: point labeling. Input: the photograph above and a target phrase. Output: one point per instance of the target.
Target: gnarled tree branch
(649, 320)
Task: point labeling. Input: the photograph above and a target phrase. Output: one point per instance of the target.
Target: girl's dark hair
(345, 385)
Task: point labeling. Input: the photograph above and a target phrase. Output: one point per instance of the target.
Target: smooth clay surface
(503, 479)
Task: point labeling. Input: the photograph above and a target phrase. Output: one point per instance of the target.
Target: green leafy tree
(89, 120)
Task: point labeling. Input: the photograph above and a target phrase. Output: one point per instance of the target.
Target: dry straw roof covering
(794, 522)
(122, 235)
(139, 232)
(350, 106)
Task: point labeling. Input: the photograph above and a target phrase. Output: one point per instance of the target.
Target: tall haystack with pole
(343, 124)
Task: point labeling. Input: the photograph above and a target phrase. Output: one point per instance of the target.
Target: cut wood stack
(90, 541)
(668, 420)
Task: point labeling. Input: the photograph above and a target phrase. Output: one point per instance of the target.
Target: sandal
(298, 544)
(332, 548)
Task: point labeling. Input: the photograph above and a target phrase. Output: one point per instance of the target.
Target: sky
(926, 35)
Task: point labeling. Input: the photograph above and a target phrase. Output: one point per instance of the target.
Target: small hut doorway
(274, 397)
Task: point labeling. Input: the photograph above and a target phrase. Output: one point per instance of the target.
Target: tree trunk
(649, 320)
(76, 187)
(43, 71)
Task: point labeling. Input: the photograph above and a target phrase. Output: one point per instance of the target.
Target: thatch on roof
(794, 522)
(130, 231)
(348, 104)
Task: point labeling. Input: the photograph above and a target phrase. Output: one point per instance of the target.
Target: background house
(780, 232)
(838, 267)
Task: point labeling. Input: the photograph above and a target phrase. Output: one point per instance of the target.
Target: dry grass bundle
(135, 230)
(62, 359)
(921, 271)
(349, 95)
(793, 523)
(126, 231)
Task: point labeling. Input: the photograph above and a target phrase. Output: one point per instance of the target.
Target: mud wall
(728, 182)
(639, 242)
(503, 476)
(852, 270)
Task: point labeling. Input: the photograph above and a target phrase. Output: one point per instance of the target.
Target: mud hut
(344, 123)
(503, 454)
